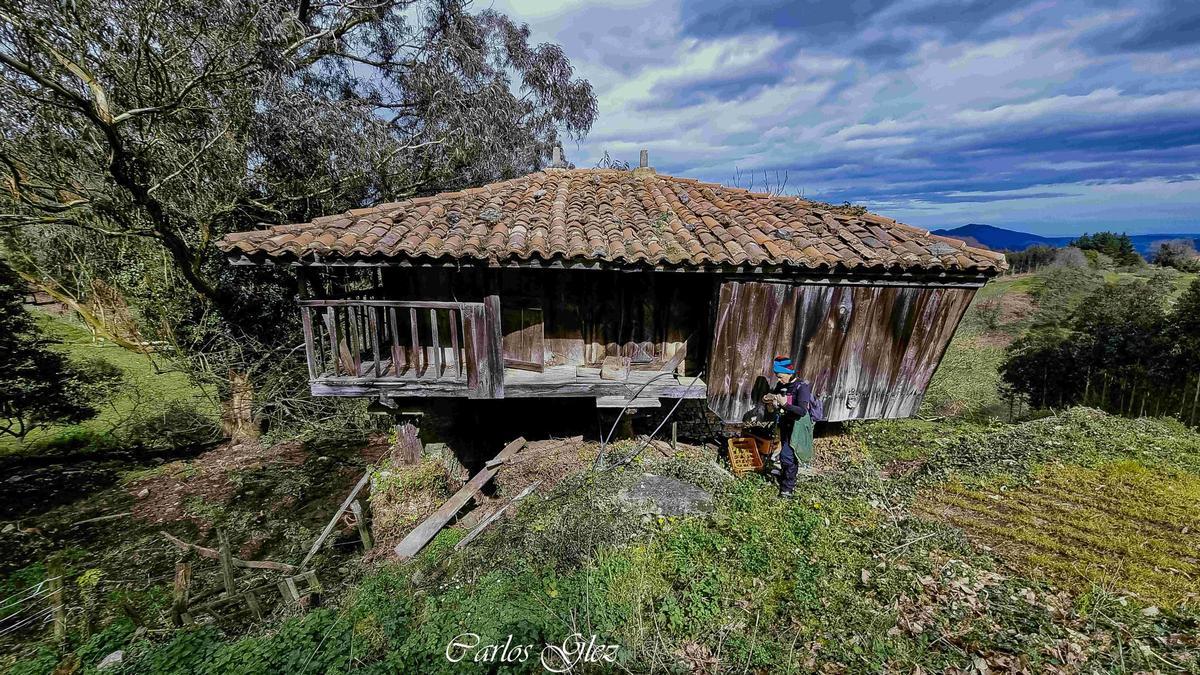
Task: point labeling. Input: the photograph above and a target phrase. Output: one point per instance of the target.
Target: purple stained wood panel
(869, 351)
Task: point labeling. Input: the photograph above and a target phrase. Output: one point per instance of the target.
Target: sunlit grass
(150, 385)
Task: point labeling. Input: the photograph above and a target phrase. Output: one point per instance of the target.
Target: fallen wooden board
(427, 530)
(333, 521)
(237, 562)
(492, 518)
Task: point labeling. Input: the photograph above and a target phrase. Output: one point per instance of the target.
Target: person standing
(793, 399)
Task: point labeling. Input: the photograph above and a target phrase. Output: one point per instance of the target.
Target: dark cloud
(885, 49)
(810, 18)
(1173, 25)
(684, 94)
(919, 105)
(956, 17)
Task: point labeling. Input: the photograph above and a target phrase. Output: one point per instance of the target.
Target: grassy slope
(146, 391)
(1066, 530)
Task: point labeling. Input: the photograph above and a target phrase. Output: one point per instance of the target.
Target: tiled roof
(620, 218)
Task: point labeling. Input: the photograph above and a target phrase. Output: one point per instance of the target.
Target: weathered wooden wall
(586, 314)
(869, 351)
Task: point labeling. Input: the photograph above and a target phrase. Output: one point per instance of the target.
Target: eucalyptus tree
(136, 132)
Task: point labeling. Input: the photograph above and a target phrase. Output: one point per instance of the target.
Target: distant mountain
(998, 238)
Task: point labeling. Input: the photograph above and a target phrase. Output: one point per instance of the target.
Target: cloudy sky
(1052, 117)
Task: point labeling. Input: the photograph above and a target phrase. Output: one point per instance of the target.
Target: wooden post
(408, 441)
(674, 434)
(415, 358)
(226, 558)
(58, 604)
(1195, 400)
(309, 343)
(181, 594)
(373, 326)
(362, 482)
(252, 603)
(458, 366)
(360, 520)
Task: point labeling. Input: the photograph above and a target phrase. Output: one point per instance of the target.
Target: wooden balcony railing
(393, 340)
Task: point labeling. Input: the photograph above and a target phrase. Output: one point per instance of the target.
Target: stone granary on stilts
(623, 286)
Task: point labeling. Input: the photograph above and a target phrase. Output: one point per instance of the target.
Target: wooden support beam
(427, 530)
(333, 521)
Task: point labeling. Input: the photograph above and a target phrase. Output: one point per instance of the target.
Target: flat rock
(665, 496)
(112, 660)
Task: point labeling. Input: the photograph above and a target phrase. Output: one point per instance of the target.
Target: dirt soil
(163, 497)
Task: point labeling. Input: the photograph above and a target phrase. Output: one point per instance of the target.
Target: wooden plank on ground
(496, 515)
(427, 530)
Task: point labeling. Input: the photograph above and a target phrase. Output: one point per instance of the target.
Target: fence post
(226, 556)
(1194, 401)
(58, 604)
(360, 520)
(181, 593)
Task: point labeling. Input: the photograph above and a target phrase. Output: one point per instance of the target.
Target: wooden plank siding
(869, 351)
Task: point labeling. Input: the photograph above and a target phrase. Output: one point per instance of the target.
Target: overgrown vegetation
(153, 409)
(138, 133)
(1119, 347)
(840, 579)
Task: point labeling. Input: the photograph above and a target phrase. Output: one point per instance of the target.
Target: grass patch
(1118, 525)
(147, 395)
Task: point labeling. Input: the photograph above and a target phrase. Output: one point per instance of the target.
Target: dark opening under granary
(623, 286)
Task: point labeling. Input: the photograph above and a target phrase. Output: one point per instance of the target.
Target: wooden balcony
(401, 348)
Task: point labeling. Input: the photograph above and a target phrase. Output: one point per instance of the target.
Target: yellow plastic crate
(744, 455)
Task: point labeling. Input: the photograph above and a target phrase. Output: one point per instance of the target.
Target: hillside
(967, 540)
(1001, 239)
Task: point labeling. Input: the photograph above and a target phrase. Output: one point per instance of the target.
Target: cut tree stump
(427, 530)
(408, 448)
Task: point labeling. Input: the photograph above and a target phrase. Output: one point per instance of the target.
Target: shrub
(177, 425)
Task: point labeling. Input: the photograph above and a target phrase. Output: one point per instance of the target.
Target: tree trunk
(237, 413)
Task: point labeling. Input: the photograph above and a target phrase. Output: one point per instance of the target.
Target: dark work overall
(795, 413)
